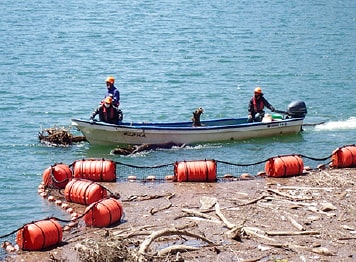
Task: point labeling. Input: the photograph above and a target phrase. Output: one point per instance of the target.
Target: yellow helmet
(258, 90)
(110, 79)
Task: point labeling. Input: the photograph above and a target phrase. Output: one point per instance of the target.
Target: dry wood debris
(307, 218)
(58, 136)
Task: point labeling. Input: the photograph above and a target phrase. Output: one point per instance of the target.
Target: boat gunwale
(175, 125)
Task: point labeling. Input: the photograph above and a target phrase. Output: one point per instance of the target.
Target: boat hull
(99, 133)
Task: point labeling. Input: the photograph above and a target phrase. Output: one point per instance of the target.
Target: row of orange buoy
(101, 210)
(292, 165)
(279, 166)
(79, 183)
(187, 171)
(46, 233)
(99, 170)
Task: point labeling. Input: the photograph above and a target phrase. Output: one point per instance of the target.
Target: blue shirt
(115, 94)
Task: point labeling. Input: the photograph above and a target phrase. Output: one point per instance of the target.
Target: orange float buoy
(284, 166)
(195, 171)
(103, 213)
(84, 192)
(39, 235)
(344, 157)
(99, 170)
(57, 176)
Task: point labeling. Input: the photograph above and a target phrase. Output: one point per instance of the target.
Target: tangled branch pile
(58, 136)
(109, 249)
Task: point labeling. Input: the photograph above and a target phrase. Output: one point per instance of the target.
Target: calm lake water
(168, 58)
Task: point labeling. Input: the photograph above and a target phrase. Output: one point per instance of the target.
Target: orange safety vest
(258, 105)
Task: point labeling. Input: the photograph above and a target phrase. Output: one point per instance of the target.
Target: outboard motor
(297, 109)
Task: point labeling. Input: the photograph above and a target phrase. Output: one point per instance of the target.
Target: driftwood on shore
(300, 218)
(133, 149)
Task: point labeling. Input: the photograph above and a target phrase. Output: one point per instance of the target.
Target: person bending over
(108, 112)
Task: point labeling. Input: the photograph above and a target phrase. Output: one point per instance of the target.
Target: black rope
(56, 218)
(317, 159)
(70, 220)
(13, 232)
(235, 164)
(112, 194)
(159, 166)
(263, 161)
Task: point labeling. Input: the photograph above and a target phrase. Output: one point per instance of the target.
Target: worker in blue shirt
(112, 91)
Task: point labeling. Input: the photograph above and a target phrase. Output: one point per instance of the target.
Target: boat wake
(203, 146)
(338, 125)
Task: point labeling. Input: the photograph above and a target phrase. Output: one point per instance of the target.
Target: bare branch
(168, 232)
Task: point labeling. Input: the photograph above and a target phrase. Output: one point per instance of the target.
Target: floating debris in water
(58, 136)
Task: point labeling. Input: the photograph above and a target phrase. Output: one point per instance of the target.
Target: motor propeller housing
(297, 109)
